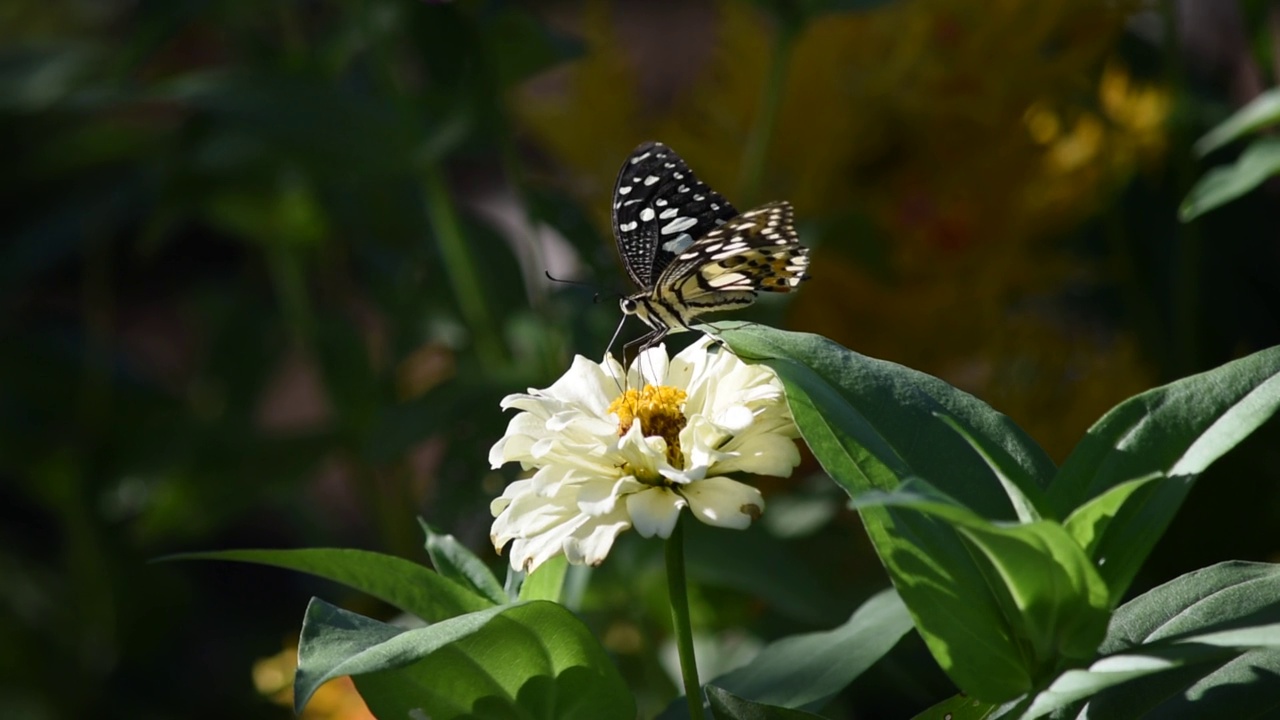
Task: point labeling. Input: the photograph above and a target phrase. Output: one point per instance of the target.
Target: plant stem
(756, 151)
(460, 265)
(678, 591)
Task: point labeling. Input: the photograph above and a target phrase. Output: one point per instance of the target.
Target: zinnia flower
(609, 459)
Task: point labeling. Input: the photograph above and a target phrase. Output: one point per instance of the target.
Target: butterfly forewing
(660, 209)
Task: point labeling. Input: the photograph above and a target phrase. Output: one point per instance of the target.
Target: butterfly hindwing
(757, 251)
(660, 209)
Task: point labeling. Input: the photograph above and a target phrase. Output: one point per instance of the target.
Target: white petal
(724, 503)
(590, 544)
(766, 454)
(652, 366)
(586, 387)
(600, 498)
(735, 418)
(655, 511)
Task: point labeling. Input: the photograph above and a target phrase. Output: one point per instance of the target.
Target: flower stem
(678, 591)
(756, 150)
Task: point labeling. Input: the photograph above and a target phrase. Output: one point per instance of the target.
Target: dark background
(268, 267)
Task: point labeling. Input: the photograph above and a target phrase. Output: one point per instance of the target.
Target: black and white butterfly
(689, 251)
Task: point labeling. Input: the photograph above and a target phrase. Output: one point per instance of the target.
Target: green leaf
(1024, 495)
(1206, 644)
(804, 671)
(959, 707)
(454, 561)
(547, 582)
(1171, 433)
(727, 706)
(905, 423)
(1222, 184)
(407, 585)
(872, 424)
(1262, 111)
(1054, 602)
(527, 660)
(1088, 524)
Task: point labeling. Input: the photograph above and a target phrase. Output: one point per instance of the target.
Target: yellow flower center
(660, 412)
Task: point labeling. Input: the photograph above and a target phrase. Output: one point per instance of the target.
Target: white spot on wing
(638, 158)
(679, 225)
(646, 214)
(668, 213)
(650, 180)
(628, 227)
(624, 189)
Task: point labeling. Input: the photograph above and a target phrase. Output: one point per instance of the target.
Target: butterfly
(689, 251)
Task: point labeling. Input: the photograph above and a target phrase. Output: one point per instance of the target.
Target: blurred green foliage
(267, 270)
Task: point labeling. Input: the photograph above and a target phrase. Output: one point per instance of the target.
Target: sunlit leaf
(1206, 644)
(803, 671)
(528, 660)
(872, 424)
(959, 707)
(1053, 600)
(1220, 185)
(1171, 433)
(1262, 111)
(454, 561)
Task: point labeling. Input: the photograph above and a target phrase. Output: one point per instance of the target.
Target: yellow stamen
(660, 411)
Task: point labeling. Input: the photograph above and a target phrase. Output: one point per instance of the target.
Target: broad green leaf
(407, 585)
(1172, 432)
(1224, 183)
(547, 582)
(1206, 644)
(909, 424)
(727, 706)
(527, 660)
(959, 707)
(1054, 601)
(872, 424)
(1262, 111)
(453, 560)
(1089, 522)
(1015, 482)
(804, 671)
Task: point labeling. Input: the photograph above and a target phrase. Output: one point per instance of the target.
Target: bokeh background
(268, 267)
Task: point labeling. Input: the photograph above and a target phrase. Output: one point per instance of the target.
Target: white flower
(608, 460)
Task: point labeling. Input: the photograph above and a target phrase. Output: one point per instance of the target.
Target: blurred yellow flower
(335, 700)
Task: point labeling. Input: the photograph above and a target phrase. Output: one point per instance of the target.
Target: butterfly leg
(644, 343)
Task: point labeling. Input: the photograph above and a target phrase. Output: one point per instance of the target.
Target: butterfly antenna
(595, 298)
